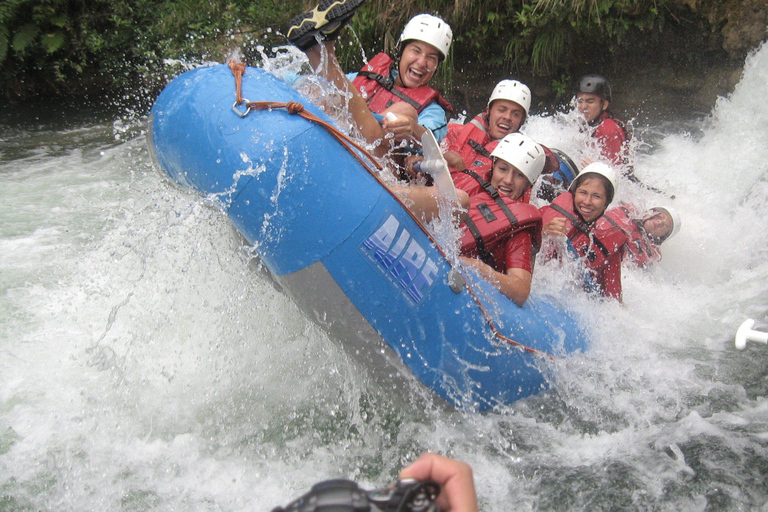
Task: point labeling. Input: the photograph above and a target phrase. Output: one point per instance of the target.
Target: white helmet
(512, 90)
(428, 29)
(600, 169)
(522, 152)
(676, 220)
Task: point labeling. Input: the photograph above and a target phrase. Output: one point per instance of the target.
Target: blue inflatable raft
(347, 251)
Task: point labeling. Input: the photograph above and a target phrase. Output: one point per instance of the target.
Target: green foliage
(3, 43)
(562, 86)
(68, 46)
(540, 35)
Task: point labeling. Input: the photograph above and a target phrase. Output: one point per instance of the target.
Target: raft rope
(294, 108)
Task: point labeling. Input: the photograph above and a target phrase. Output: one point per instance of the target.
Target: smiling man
(471, 144)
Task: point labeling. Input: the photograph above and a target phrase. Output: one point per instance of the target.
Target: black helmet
(595, 84)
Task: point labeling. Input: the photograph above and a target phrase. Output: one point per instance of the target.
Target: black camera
(346, 496)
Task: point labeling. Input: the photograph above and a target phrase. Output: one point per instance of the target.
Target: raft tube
(348, 252)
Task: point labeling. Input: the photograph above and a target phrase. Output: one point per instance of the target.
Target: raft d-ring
(238, 112)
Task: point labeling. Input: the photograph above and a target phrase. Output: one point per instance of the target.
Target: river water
(147, 363)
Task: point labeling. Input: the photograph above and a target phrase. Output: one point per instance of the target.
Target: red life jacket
(640, 248)
(467, 180)
(377, 86)
(596, 241)
(472, 142)
(475, 146)
(613, 136)
(492, 218)
(600, 243)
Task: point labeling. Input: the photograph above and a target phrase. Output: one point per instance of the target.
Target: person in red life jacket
(470, 145)
(593, 97)
(466, 145)
(645, 233)
(578, 216)
(501, 232)
(401, 86)
(378, 89)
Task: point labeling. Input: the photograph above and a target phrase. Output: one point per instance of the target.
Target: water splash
(214, 392)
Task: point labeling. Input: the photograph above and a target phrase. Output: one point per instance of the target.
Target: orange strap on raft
(238, 70)
(297, 108)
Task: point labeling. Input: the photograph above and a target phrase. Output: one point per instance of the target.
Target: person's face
(504, 117)
(590, 198)
(418, 64)
(508, 180)
(658, 224)
(590, 105)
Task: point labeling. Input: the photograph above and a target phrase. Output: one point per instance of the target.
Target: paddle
(745, 333)
(436, 166)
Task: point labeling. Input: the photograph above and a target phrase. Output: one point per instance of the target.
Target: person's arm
(326, 65)
(558, 226)
(457, 484)
(551, 162)
(424, 202)
(455, 160)
(433, 117)
(515, 281)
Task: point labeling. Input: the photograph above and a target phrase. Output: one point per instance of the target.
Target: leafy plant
(76, 46)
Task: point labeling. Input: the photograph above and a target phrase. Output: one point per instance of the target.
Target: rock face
(677, 71)
(739, 24)
(695, 64)
(681, 70)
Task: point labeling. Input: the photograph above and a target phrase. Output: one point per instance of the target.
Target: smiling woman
(386, 99)
(591, 197)
(577, 216)
(418, 63)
